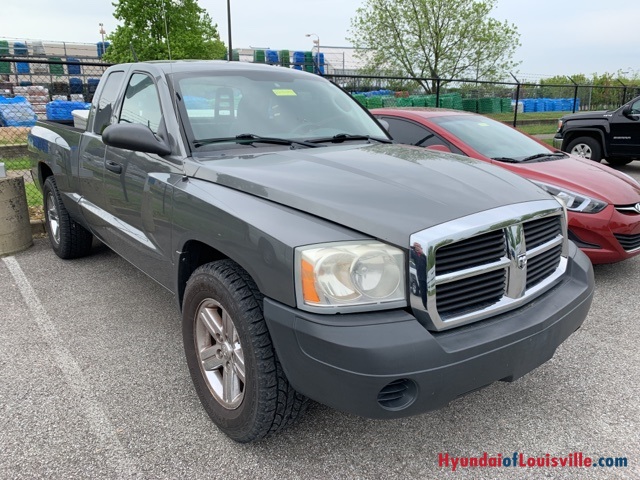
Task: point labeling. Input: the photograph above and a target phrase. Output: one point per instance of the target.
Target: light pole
(102, 32)
(230, 54)
(317, 44)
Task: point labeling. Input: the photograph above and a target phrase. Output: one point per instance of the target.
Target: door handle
(113, 167)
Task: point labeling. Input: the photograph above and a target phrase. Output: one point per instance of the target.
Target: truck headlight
(575, 202)
(349, 276)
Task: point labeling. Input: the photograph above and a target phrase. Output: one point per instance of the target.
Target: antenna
(133, 52)
(166, 28)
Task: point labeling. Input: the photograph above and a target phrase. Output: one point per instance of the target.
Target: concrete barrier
(15, 227)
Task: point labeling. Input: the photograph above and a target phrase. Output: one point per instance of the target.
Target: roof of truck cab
(183, 66)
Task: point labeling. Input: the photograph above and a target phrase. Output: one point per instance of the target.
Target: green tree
(191, 32)
(449, 39)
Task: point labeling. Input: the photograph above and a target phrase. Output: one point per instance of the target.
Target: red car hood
(582, 176)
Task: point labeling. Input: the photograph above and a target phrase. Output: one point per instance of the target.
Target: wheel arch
(193, 255)
(44, 172)
(594, 133)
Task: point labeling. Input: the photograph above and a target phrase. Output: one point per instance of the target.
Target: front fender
(256, 233)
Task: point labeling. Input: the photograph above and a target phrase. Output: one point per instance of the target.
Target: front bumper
(345, 361)
(557, 141)
(595, 234)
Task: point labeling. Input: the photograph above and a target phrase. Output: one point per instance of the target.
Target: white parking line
(98, 422)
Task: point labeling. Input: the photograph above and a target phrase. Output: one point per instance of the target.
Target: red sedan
(603, 204)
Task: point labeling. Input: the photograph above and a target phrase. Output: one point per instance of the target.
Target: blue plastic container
(75, 85)
(61, 109)
(22, 68)
(16, 112)
(318, 60)
(298, 58)
(102, 48)
(73, 67)
(20, 48)
(272, 57)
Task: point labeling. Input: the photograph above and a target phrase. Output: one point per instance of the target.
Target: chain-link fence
(514, 100)
(32, 89)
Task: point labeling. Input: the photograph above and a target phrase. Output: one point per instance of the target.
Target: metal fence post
(515, 110)
(575, 94)
(437, 91)
(624, 91)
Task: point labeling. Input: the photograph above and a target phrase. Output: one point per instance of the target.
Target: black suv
(612, 134)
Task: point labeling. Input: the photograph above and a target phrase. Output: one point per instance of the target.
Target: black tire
(243, 388)
(68, 238)
(415, 290)
(619, 162)
(585, 147)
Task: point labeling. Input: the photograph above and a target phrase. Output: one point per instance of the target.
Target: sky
(558, 37)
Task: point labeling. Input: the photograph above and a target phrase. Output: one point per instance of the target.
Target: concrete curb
(37, 228)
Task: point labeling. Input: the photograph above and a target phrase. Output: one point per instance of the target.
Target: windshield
(279, 104)
(490, 138)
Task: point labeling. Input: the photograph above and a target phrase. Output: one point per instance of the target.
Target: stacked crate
(61, 109)
(16, 112)
(37, 96)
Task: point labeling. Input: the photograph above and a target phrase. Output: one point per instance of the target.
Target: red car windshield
(490, 138)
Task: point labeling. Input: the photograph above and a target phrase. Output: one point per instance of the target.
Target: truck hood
(583, 176)
(597, 114)
(385, 191)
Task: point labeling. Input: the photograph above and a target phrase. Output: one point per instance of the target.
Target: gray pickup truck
(285, 221)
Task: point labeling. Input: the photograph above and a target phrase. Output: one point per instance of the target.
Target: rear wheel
(68, 238)
(232, 362)
(586, 147)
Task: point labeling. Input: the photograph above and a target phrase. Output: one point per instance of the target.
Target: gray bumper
(557, 142)
(348, 361)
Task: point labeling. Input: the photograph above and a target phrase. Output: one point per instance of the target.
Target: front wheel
(232, 362)
(68, 238)
(586, 147)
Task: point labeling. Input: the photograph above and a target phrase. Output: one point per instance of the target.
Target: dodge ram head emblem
(522, 261)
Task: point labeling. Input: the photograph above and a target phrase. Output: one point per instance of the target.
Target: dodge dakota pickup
(289, 227)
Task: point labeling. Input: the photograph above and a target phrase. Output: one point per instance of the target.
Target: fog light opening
(398, 394)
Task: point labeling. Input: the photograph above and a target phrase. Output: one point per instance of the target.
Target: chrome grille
(543, 265)
(472, 252)
(468, 294)
(538, 232)
(629, 209)
(477, 267)
(628, 242)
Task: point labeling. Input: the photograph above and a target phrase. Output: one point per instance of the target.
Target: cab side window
(103, 106)
(141, 103)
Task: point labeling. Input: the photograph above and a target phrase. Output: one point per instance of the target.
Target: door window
(105, 104)
(141, 104)
(405, 131)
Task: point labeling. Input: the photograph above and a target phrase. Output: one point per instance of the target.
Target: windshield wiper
(505, 159)
(250, 138)
(544, 155)
(341, 137)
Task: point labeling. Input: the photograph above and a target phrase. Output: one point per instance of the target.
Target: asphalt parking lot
(93, 384)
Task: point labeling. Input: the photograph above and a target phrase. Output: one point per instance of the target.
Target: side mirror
(626, 110)
(136, 137)
(439, 148)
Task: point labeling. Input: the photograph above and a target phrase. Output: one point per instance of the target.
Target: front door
(625, 132)
(138, 188)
